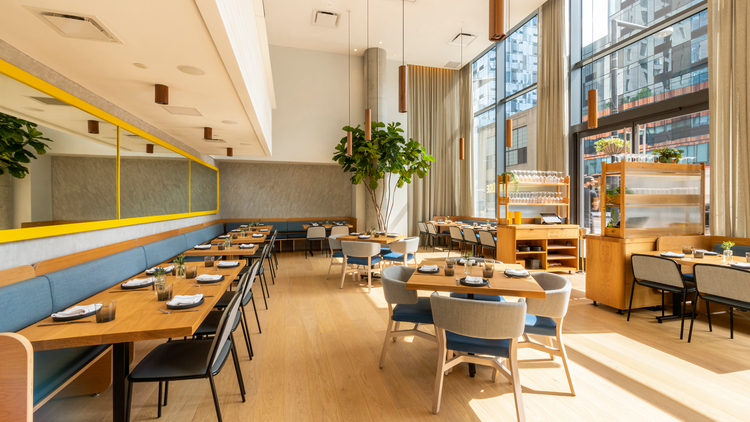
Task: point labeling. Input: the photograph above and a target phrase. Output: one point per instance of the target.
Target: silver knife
(62, 323)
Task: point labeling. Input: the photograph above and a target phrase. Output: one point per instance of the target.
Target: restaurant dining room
(475, 210)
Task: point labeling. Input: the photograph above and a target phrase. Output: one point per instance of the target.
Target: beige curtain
(728, 42)
(434, 121)
(468, 182)
(552, 89)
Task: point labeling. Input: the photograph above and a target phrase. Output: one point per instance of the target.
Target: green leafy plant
(15, 136)
(666, 155)
(727, 245)
(388, 154)
(614, 193)
(512, 176)
(611, 145)
(180, 259)
(159, 272)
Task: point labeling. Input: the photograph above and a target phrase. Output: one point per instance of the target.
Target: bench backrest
(24, 303)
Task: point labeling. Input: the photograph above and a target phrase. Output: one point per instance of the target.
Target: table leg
(676, 309)
(472, 366)
(120, 371)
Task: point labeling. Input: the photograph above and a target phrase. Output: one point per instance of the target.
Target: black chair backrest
(224, 330)
(248, 286)
(725, 282)
(657, 269)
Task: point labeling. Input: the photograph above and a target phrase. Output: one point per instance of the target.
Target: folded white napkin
(209, 277)
(138, 282)
(243, 226)
(474, 280)
(672, 255)
(180, 300)
(705, 252)
(257, 235)
(392, 235)
(365, 236)
(315, 224)
(516, 273)
(76, 310)
(429, 268)
(354, 234)
(264, 230)
(202, 246)
(228, 263)
(463, 261)
(246, 246)
(225, 236)
(166, 269)
(743, 265)
(236, 230)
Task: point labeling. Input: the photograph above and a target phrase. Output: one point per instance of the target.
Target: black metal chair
(456, 237)
(245, 288)
(723, 285)
(261, 255)
(662, 274)
(191, 359)
(435, 234)
(423, 233)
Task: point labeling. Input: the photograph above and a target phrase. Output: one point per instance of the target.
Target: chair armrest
(16, 378)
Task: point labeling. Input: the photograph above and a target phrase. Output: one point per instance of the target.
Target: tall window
(501, 90)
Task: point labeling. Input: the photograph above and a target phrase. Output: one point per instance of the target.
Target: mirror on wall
(153, 179)
(75, 181)
(203, 188)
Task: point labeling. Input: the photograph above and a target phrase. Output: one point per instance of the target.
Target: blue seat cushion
(24, 303)
(363, 261)
(385, 250)
(162, 250)
(395, 256)
(542, 326)
(53, 367)
(338, 254)
(689, 277)
(420, 312)
(296, 226)
(482, 346)
(234, 225)
(296, 235)
(486, 298)
(72, 285)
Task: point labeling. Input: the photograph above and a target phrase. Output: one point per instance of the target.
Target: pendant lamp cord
(460, 86)
(349, 20)
(403, 31)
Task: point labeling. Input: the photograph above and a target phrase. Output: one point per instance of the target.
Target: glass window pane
(606, 22)
(483, 81)
(521, 103)
(484, 164)
(662, 66)
(521, 57)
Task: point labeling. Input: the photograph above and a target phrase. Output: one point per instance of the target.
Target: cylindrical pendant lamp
(593, 109)
(497, 20)
(402, 81)
(368, 124)
(349, 144)
(94, 127)
(149, 148)
(509, 133)
(161, 94)
(208, 133)
(230, 152)
(461, 149)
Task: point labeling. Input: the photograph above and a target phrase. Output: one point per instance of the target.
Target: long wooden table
(234, 251)
(327, 226)
(239, 240)
(137, 318)
(689, 260)
(372, 239)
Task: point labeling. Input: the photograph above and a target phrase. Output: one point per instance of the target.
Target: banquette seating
(289, 230)
(33, 299)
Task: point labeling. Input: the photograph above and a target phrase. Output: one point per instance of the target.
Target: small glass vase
(179, 271)
(227, 243)
(728, 255)
(159, 282)
(468, 267)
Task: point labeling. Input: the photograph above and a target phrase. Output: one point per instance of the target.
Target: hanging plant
(512, 176)
(15, 136)
(611, 146)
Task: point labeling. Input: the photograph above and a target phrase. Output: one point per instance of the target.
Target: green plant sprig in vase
(179, 268)
(728, 252)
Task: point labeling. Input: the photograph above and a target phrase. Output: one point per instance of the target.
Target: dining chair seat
(395, 256)
(488, 298)
(338, 254)
(418, 313)
(543, 326)
(476, 345)
(211, 323)
(385, 250)
(179, 360)
(352, 260)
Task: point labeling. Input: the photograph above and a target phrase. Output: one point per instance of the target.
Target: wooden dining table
(247, 239)
(372, 239)
(137, 318)
(327, 226)
(234, 252)
(689, 260)
(268, 228)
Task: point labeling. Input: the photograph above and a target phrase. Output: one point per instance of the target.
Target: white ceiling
(430, 25)
(160, 34)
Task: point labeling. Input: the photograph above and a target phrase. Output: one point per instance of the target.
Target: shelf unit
(505, 184)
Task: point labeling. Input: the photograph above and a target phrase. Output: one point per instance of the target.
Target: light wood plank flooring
(317, 360)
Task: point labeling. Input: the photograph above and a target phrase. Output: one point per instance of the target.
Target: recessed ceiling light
(355, 49)
(394, 55)
(229, 122)
(245, 144)
(191, 70)
(380, 42)
(140, 65)
(33, 109)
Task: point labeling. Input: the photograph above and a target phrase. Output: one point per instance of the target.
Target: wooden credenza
(559, 244)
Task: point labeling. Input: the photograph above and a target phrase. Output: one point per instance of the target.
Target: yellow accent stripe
(118, 172)
(190, 186)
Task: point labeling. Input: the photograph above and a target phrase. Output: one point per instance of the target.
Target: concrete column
(375, 99)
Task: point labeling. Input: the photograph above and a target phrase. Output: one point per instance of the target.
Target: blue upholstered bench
(737, 250)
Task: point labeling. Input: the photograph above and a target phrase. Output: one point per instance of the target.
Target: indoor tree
(15, 135)
(388, 154)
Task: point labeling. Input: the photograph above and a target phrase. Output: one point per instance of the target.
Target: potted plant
(668, 155)
(727, 246)
(15, 136)
(611, 146)
(468, 264)
(373, 232)
(379, 160)
(510, 176)
(179, 266)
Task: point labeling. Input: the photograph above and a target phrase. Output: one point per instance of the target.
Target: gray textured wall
(202, 188)
(258, 190)
(153, 187)
(84, 188)
(6, 202)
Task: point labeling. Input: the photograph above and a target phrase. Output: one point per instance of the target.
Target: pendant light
(509, 133)
(402, 70)
(460, 98)
(93, 127)
(593, 109)
(349, 132)
(498, 18)
(161, 94)
(368, 111)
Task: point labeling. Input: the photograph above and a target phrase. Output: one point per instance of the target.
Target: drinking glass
(747, 256)
(488, 269)
(164, 292)
(208, 261)
(191, 271)
(687, 250)
(449, 268)
(106, 311)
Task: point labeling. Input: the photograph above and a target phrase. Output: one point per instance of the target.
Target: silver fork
(180, 310)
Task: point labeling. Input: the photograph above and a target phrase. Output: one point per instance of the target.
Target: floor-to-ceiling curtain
(434, 121)
(729, 105)
(467, 182)
(552, 88)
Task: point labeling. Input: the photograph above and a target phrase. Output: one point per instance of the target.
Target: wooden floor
(317, 360)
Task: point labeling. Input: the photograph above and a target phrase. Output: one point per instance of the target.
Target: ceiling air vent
(50, 101)
(183, 111)
(215, 141)
(325, 19)
(73, 25)
(452, 65)
(462, 38)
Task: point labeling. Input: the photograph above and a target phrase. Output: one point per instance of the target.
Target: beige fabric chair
(336, 252)
(456, 237)
(363, 254)
(403, 251)
(545, 318)
(724, 285)
(339, 230)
